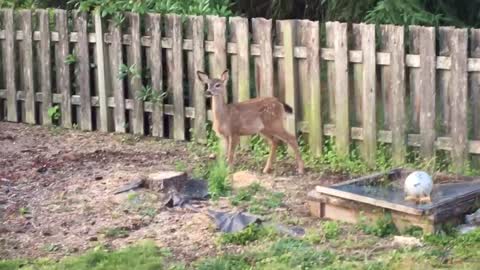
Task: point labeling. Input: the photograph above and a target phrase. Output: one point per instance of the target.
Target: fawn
(262, 115)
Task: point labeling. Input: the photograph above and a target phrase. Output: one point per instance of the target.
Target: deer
(261, 115)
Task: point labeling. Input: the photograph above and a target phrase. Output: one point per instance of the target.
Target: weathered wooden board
(83, 75)
(63, 68)
(262, 35)
(45, 70)
(156, 71)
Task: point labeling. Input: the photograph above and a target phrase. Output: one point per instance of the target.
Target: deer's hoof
(267, 170)
(301, 171)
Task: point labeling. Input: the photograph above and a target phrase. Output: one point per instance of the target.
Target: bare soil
(56, 193)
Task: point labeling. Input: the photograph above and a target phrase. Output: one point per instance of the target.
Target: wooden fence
(414, 86)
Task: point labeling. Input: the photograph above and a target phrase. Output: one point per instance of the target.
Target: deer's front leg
(232, 144)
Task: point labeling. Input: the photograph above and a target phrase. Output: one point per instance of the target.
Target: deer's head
(215, 86)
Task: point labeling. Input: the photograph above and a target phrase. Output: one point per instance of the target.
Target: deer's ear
(225, 76)
(203, 77)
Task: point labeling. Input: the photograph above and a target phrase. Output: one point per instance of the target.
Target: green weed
(54, 112)
(382, 227)
(250, 234)
(71, 59)
(115, 233)
(218, 183)
(330, 229)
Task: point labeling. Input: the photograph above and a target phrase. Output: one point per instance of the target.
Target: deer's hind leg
(292, 141)
(273, 149)
(232, 145)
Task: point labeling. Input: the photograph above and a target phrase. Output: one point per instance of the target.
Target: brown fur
(262, 115)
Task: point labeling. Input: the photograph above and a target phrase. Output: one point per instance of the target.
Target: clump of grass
(264, 204)
(144, 256)
(218, 184)
(330, 229)
(382, 227)
(250, 234)
(115, 233)
(246, 194)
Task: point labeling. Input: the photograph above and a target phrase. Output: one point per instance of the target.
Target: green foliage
(285, 253)
(131, 71)
(151, 95)
(71, 59)
(250, 234)
(111, 8)
(115, 233)
(402, 12)
(54, 112)
(382, 227)
(218, 183)
(246, 194)
(330, 229)
(144, 256)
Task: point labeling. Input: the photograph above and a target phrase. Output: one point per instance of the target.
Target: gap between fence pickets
(354, 56)
(384, 136)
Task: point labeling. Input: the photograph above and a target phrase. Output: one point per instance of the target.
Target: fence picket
(287, 28)
(63, 69)
(101, 74)
(83, 76)
(176, 77)
(427, 88)
(10, 65)
(198, 36)
(474, 84)
(458, 97)
(369, 93)
(156, 70)
(342, 122)
(262, 35)
(116, 60)
(394, 37)
(45, 72)
(315, 120)
(27, 66)
(445, 43)
(136, 81)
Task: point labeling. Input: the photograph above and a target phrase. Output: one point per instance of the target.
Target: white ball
(418, 184)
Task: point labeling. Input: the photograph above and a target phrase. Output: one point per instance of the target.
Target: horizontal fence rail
(364, 84)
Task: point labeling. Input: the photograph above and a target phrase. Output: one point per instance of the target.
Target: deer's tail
(287, 108)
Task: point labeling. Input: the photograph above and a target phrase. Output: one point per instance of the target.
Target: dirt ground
(56, 194)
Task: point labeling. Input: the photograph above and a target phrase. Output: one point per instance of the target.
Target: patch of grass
(331, 229)
(382, 227)
(218, 184)
(180, 166)
(144, 256)
(115, 233)
(133, 197)
(52, 247)
(250, 234)
(23, 211)
(246, 194)
(284, 253)
(264, 204)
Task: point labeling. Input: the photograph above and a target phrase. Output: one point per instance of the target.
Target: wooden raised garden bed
(370, 197)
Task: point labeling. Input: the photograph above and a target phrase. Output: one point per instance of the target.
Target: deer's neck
(219, 108)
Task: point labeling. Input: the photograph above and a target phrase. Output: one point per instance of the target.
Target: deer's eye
(217, 85)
